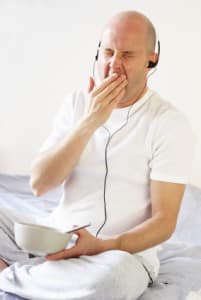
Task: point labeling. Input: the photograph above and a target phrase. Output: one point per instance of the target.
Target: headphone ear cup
(151, 64)
(97, 53)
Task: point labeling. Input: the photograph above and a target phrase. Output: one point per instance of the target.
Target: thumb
(91, 84)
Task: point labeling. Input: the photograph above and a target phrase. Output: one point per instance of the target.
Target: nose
(115, 64)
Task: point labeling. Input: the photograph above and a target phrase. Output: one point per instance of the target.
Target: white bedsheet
(194, 295)
(180, 272)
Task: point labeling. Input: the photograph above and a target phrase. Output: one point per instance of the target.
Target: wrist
(88, 123)
(109, 244)
(86, 126)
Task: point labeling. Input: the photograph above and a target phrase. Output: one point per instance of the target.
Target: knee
(124, 278)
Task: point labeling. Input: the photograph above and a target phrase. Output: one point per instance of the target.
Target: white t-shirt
(149, 140)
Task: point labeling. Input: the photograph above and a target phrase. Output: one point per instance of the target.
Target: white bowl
(40, 240)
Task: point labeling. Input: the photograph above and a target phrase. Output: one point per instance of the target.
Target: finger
(105, 83)
(113, 93)
(117, 99)
(106, 89)
(80, 232)
(64, 254)
(109, 88)
(91, 84)
(116, 91)
(56, 256)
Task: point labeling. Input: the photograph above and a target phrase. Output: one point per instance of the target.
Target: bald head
(136, 22)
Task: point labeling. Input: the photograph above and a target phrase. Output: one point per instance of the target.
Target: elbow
(167, 235)
(166, 226)
(41, 184)
(35, 187)
(170, 229)
(37, 181)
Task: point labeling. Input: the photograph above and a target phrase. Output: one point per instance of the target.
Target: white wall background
(47, 49)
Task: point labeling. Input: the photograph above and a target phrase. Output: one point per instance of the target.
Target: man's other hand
(86, 244)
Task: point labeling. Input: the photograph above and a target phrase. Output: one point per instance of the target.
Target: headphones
(151, 64)
(110, 136)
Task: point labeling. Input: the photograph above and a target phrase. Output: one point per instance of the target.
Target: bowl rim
(40, 227)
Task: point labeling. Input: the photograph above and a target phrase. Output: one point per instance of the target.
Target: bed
(180, 256)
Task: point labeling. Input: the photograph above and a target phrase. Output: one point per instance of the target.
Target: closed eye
(128, 54)
(108, 52)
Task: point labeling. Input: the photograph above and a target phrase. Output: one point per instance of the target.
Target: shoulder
(165, 115)
(73, 105)
(74, 98)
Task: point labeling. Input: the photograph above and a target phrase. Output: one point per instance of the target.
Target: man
(115, 149)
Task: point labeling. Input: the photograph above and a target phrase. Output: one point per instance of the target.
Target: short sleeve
(172, 149)
(62, 124)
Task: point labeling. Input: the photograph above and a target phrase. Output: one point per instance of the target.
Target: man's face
(124, 51)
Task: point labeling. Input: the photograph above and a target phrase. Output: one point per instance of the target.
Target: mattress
(180, 256)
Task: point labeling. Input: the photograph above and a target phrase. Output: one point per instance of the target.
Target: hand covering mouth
(118, 73)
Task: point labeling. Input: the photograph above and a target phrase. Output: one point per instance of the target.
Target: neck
(134, 99)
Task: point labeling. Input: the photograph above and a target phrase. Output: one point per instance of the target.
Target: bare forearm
(52, 168)
(148, 234)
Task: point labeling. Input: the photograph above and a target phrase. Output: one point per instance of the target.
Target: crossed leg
(111, 274)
